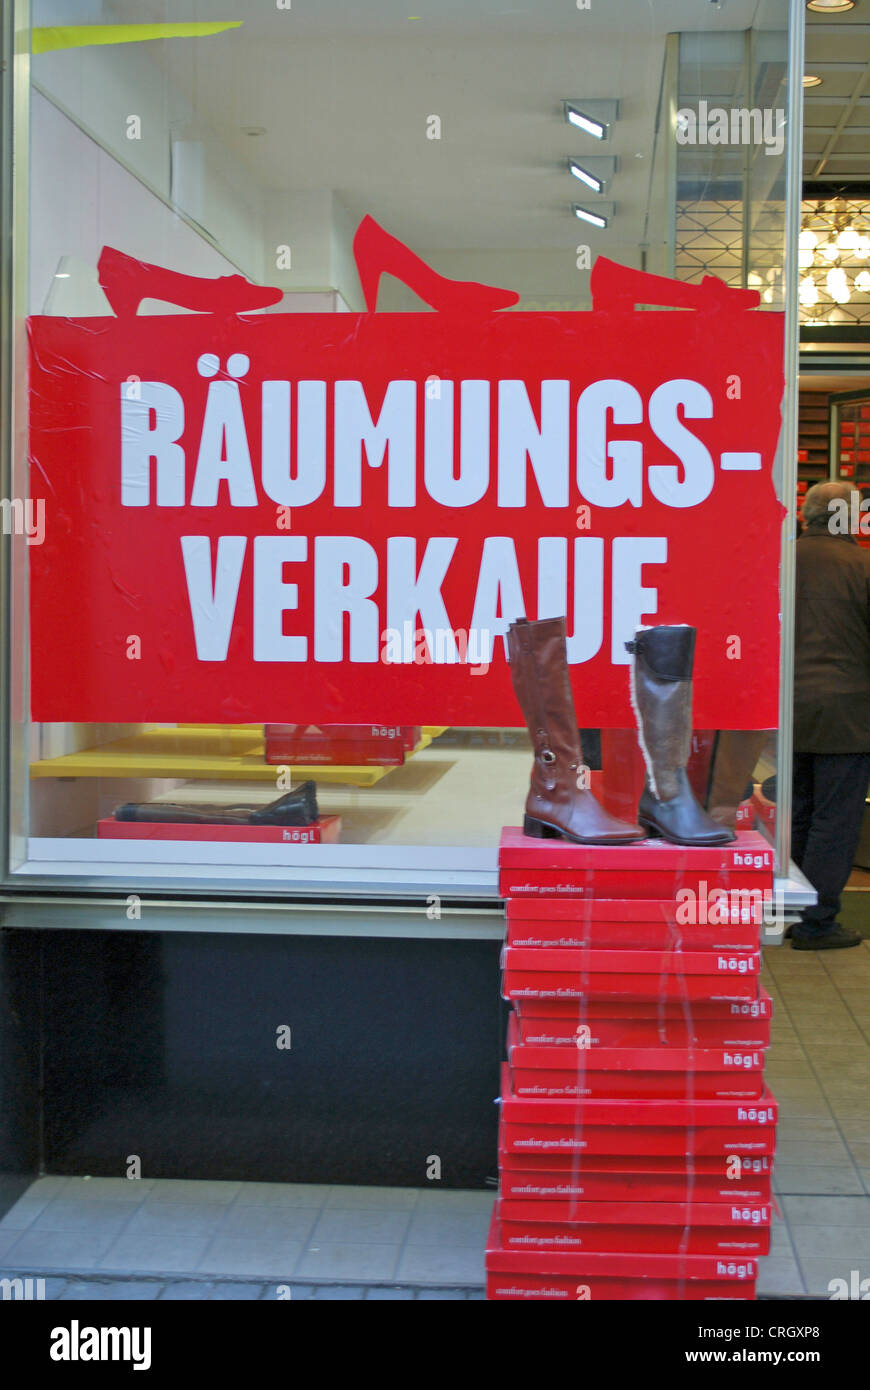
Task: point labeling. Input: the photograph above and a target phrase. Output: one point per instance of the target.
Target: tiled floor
(819, 1069)
(286, 1233)
(242, 1240)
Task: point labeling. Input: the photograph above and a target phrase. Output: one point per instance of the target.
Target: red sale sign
(334, 518)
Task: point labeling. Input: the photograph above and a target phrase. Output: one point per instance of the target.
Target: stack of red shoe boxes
(637, 1135)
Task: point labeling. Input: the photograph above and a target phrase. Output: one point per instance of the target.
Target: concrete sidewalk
(153, 1238)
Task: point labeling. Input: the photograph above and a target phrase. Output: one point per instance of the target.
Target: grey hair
(817, 503)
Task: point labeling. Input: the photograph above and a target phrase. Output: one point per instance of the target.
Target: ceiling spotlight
(807, 240)
(592, 127)
(595, 172)
(585, 177)
(597, 219)
(862, 281)
(830, 251)
(862, 250)
(812, 80)
(830, 6)
(805, 258)
(592, 117)
(848, 239)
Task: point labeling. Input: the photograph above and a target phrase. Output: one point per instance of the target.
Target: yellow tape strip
(87, 35)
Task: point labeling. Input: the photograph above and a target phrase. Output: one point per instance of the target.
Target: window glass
(177, 168)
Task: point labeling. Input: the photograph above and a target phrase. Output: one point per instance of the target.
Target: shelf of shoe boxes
(637, 1136)
(293, 817)
(854, 447)
(855, 455)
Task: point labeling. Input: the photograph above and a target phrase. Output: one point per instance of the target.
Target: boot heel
(538, 829)
(652, 831)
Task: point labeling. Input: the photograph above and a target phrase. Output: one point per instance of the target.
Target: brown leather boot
(661, 694)
(556, 805)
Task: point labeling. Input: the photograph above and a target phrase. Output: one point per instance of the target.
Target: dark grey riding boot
(661, 694)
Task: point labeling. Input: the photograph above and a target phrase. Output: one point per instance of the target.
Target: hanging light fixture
(830, 6)
(838, 285)
(847, 239)
(808, 292)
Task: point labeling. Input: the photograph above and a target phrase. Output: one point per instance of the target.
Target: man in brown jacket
(831, 709)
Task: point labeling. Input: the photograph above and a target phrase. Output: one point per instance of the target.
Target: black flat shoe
(837, 938)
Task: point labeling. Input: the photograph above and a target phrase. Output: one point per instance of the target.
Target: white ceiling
(837, 114)
(343, 89)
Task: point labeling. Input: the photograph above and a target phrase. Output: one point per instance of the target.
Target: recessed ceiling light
(598, 219)
(830, 6)
(811, 80)
(584, 175)
(594, 117)
(62, 275)
(596, 171)
(253, 130)
(587, 123)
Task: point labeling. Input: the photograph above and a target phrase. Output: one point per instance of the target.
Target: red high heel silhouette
(620, 287)
(126, 282)
(378, 253)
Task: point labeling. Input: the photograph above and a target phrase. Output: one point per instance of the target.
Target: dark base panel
(19, 1064)
(164, 1047)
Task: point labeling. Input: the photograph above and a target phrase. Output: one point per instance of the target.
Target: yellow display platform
(204, 752)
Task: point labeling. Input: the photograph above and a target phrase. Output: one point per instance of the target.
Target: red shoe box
(566, 974)
(590, 961)
(691, 1128)
(335, 752)
(638, 1112)
(703, 1010)
(356, 733)
(325, 831)
(558, 1275)
(665, 1228)
(642, 923)
(614, 883)
(561, 1177)
(658, 1072)
(700, 1141)
(529, 867)
(660, 1030)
